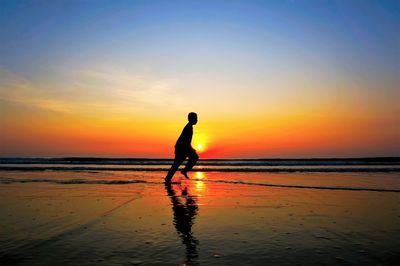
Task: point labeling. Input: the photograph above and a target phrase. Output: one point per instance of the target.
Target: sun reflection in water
(200, 186)
(199, 175)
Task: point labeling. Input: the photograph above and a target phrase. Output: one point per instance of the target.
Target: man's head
(192, 117)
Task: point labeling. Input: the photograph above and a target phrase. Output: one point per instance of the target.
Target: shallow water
(217, 218)
(370, 181)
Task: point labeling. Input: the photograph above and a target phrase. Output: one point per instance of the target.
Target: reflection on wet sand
(185, 209)
(199, 184)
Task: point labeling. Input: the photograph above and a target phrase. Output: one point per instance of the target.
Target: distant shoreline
(80, 158)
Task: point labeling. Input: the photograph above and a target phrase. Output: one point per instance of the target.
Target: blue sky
(353, 33)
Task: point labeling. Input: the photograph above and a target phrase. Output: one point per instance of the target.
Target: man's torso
(183, 144)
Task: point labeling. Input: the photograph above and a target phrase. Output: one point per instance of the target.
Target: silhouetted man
(183, 149)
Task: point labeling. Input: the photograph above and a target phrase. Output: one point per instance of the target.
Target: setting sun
(199, 147)
(200, 140)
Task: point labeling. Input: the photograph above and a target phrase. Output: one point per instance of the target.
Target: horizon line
(205, 159)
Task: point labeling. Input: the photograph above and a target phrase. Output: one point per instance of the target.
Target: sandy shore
(196, 222)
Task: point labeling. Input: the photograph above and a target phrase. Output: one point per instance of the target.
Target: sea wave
(10, 180)
(341, 169)
(205, 162)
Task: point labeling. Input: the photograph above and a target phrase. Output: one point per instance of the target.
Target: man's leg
(179, 158)
(193, 158)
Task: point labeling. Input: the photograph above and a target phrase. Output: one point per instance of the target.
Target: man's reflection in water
(185, 209)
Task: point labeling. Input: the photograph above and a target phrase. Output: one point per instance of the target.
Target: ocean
(379, 174)
(118, 211)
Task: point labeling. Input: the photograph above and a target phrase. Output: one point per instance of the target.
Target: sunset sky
(268, 79)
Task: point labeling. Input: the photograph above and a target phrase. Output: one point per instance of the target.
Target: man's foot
(184, 173)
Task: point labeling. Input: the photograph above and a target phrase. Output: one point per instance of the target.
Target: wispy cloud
(108, 90)
(126, 89)
(17, 89)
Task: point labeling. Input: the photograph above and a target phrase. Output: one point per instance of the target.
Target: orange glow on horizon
(319, 134)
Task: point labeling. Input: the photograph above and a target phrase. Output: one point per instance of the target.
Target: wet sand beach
(204, 220)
